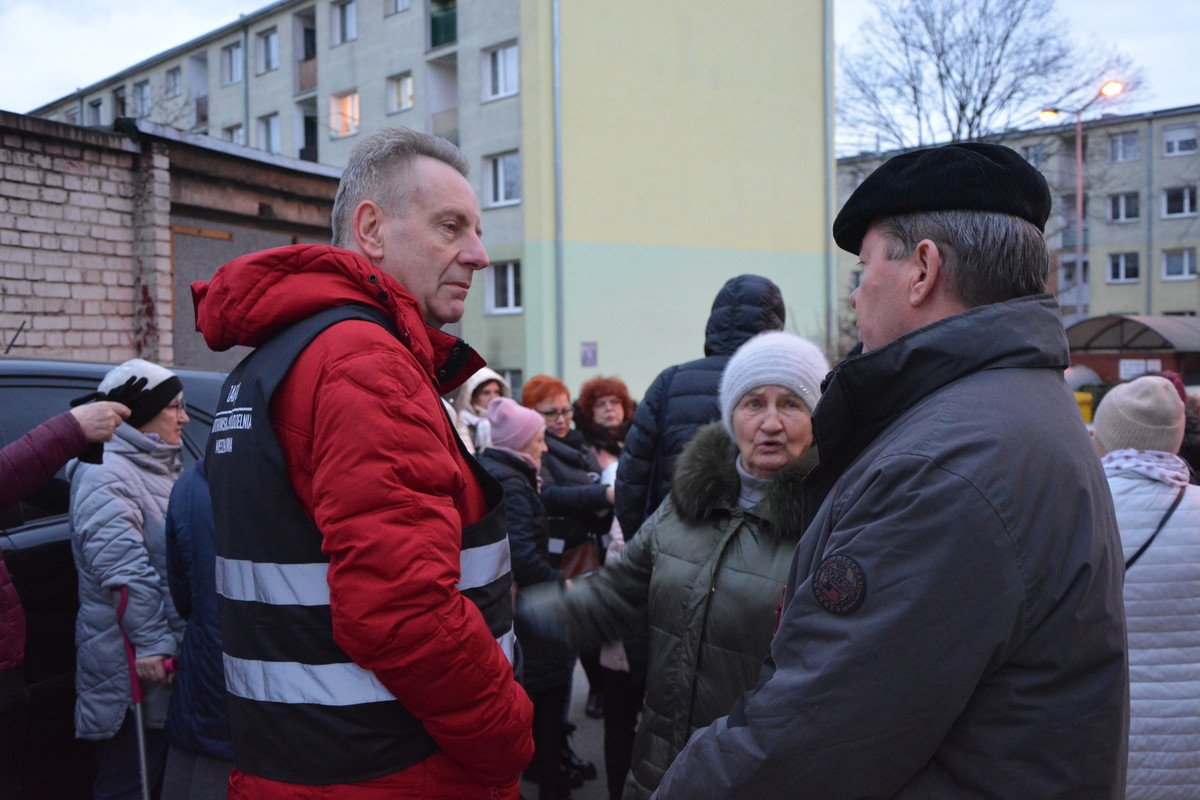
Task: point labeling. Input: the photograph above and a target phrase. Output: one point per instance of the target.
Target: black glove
(124, 394)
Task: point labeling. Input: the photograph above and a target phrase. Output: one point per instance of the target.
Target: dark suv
(37, 721)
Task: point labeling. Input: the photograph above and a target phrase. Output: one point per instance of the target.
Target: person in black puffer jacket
(514, 458)
(683, 398)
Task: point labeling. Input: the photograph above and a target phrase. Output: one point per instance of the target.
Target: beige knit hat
(1144, 414)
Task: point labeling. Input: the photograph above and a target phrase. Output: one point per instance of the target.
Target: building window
(396, 6)
(231, 63)
(235, 134)
(1122, 267)
(1179, 265)
(95, 112)
(501, 72)
(1035, 154)
(504, 179)
(502, 288)
(173, 82)
(1179, 141)
(343, 114)
(1124, 146)
(268, 50)
(141, 99)
(1123, 207)
(118, 102)
(269, 134)
(71, 116)
(1179, 202)
(343, 22)
(400, 92)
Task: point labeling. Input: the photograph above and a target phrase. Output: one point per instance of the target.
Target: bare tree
(925, 71)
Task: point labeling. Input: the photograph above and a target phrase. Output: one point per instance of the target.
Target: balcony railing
(443, 27)
(445, 125)
(306, 75)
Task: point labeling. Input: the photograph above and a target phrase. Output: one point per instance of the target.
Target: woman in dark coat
(518, 442)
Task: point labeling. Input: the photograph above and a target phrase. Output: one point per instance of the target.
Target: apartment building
(629, 157)
(1141, 231)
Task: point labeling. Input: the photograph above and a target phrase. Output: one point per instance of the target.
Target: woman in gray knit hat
(705, 574)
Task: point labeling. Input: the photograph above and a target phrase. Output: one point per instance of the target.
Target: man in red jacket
(364, 579)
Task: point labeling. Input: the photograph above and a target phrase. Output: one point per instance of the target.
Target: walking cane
(135, 688)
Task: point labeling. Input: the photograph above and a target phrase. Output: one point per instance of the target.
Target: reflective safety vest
(300, 710)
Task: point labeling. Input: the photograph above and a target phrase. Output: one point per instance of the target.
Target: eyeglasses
(178, 407)
(554, 413)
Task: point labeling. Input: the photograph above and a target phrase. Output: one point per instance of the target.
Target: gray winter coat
(118, 513)
(704, 579)
(953, 626)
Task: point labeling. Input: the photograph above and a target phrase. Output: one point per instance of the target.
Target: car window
(23, 408)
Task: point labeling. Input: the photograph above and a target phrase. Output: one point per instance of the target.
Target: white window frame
(71, 115)
(505, 276)
(496, 178)
(1035, 154)
(343, 22)
(1188, 263)
(396, 7)
(235, 133)
(141, 99)
(267, 50)
(270, 134)
(1189, 202)
(173, 82)
(95, 111)
(401, 92)
(1124, 146)
(232, 64)
(501, 71)
(1179, 141)
(1120, 265)
(1118, 207)
(344, 114)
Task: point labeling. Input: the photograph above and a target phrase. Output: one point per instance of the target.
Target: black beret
(968, 176)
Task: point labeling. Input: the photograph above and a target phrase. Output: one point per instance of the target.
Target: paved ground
(588, 742)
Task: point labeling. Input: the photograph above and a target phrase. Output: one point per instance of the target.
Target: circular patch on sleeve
(840, 585)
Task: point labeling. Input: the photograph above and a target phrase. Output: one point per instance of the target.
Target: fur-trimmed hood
(706, 482)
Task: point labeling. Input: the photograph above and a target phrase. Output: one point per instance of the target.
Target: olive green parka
(704, 579)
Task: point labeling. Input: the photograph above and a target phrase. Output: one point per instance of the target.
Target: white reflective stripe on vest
(506, 643)
(482, 565)
(276, 584)
(293, 682)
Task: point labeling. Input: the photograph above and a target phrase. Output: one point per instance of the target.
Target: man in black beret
(953, 623)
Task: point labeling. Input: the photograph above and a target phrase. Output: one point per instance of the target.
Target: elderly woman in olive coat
(705, 574)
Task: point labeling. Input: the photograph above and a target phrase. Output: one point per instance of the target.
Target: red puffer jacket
(374, 460)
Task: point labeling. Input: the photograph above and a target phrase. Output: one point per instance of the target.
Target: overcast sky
(48, 48)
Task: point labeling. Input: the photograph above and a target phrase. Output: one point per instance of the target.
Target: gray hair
(378, 171)
(989, 257)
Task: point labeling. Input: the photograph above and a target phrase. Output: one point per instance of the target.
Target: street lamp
(1108, 91)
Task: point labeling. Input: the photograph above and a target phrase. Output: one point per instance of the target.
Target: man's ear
(367, 225)
(927, 274)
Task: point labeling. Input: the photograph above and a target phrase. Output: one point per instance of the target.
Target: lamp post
(1108, 91)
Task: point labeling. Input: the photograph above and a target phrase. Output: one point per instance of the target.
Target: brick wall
(72, 203)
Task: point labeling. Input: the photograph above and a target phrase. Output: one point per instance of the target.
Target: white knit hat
(162, 386)
(1144, 414)
(773, 359)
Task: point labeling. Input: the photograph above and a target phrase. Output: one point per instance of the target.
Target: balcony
(445, 125)
(306, 75)
(443, 26)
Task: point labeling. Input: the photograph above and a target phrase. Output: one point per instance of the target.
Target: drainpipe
(1148, 210)
(559, 269)
(246, 82)
(830, 186)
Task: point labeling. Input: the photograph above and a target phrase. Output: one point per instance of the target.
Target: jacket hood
(254, 297)
(745, 307)
(463, 401)
(706, 482)
(142, 451)
(862, 395)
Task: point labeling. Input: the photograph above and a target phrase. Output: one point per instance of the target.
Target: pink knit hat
(513, 425)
